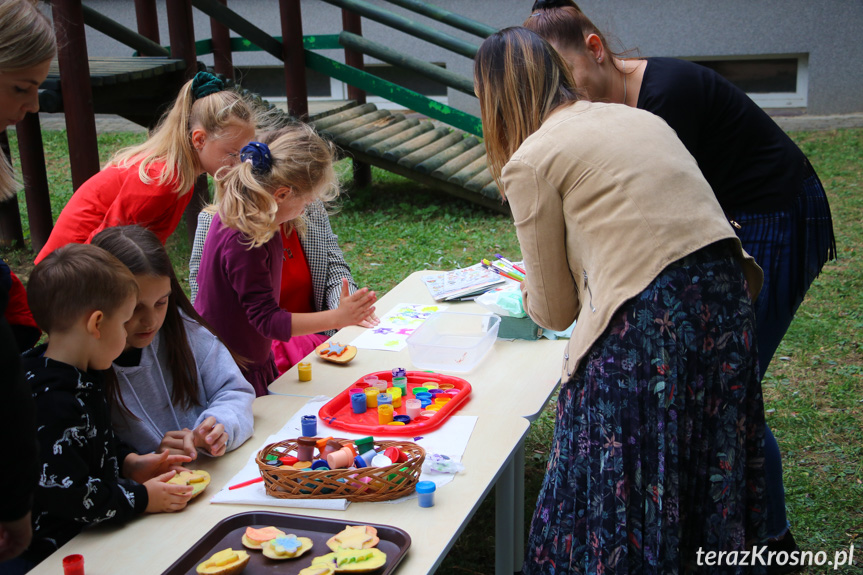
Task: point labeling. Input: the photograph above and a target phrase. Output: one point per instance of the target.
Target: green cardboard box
(518, 328)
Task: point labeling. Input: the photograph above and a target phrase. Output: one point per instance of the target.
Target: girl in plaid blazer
(262, 227)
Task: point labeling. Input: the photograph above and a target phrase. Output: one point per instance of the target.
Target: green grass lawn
(813, 389)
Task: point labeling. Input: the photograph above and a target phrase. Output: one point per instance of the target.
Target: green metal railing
(446, 17)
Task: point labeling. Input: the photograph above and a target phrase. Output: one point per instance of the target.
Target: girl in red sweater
(150, 184)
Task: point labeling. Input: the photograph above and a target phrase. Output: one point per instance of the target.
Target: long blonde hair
(519, 80)
(26, 40)
(301, 160)
(171, 141)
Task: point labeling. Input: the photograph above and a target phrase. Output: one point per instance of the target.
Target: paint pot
(399, 372)
(370, 380)
(428, 413)
(442, 400)
(385, 414)
(395, 454)
(371, 397)
(425, 490)
(435, 391)
(288, 460)
(304, 369)
(341, 458)
(431, 385)
(446, 386)
(396, 395)
(433, 407)
(413, 407)
(360, 461)
(396, 422)
(425, 403)
(306, 448)
(320, 465)
(73, 565)
(309, 424)
(381, 460)
(358, 402)
(419, 389)
(331, 447)
(356, 389)
(364, 444)
(321, 443)
(402, 384)
(423, 396)
(403, 418)
(452, 392)
(385, 399)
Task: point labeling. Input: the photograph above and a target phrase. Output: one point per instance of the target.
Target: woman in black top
(762, 180)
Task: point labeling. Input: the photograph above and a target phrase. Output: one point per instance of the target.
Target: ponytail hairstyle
(202, 103)
(26, 40)
(295, 157)
(562, 23)
(142, 252)
(519, 80)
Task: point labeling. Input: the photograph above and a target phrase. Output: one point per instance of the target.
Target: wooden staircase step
(452, 167)
(393, 141)
(464, 175)
(344, 116)
(358, 122)
(431, 164)
(395, 154)
(427, 152)
(347, 138)
(365, 142)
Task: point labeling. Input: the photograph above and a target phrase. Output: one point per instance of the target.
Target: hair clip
(257, 154)
(204, 84)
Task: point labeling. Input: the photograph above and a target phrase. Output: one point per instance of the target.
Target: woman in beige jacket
(657, 452)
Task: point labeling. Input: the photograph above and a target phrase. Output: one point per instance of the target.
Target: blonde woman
(241, 265)
(658, 443)
(27, 46)
(150, 184)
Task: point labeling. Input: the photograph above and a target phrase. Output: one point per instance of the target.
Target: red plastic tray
(338, 413)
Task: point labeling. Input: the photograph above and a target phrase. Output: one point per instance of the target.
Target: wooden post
(352, 22)
(77, 92)
(182, 33)
(148, 19)
(223, 60)
(11, 234)
(32, 154)
(295, 58)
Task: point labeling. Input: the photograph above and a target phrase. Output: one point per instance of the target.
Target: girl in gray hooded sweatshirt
(177, 386)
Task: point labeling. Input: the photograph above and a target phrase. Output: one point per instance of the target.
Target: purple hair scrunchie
(257, 154)
(204, 84)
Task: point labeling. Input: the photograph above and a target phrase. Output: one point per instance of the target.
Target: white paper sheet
(395, 327)
(449, 439)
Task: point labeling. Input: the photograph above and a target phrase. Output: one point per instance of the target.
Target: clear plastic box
(451, 341)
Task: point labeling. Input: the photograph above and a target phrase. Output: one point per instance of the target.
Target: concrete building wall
(828, 31)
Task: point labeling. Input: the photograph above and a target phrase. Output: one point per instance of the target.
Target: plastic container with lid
(425, 490)
(451, 341)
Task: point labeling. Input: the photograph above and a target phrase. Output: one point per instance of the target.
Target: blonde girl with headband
(150, 184)
(241, 264)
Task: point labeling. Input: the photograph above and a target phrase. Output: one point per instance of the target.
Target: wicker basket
(363, 484)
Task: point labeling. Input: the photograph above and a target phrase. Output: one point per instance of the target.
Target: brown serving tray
(229, 532)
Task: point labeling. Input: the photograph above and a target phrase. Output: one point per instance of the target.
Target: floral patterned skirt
(658, 444)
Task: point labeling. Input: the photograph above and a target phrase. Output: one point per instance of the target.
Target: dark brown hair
(142, 252)
(73, 282)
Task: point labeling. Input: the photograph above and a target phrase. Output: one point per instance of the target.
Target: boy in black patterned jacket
(82, 296)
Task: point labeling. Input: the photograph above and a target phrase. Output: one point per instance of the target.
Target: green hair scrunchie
(204, 84)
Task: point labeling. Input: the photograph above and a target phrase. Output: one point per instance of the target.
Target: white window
(772, 81)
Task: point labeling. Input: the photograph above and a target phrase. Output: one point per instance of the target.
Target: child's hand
(179, 442)
(355, 308)
(370, 321)
(211, 437)
(165, 497)
(142, 468)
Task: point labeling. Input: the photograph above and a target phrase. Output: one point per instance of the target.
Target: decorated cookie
(354, 537)
(197, 479)
(336, 352)
(225, 562)
(255, 538)
(288, 547)
(319, 569)
(353, 560)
